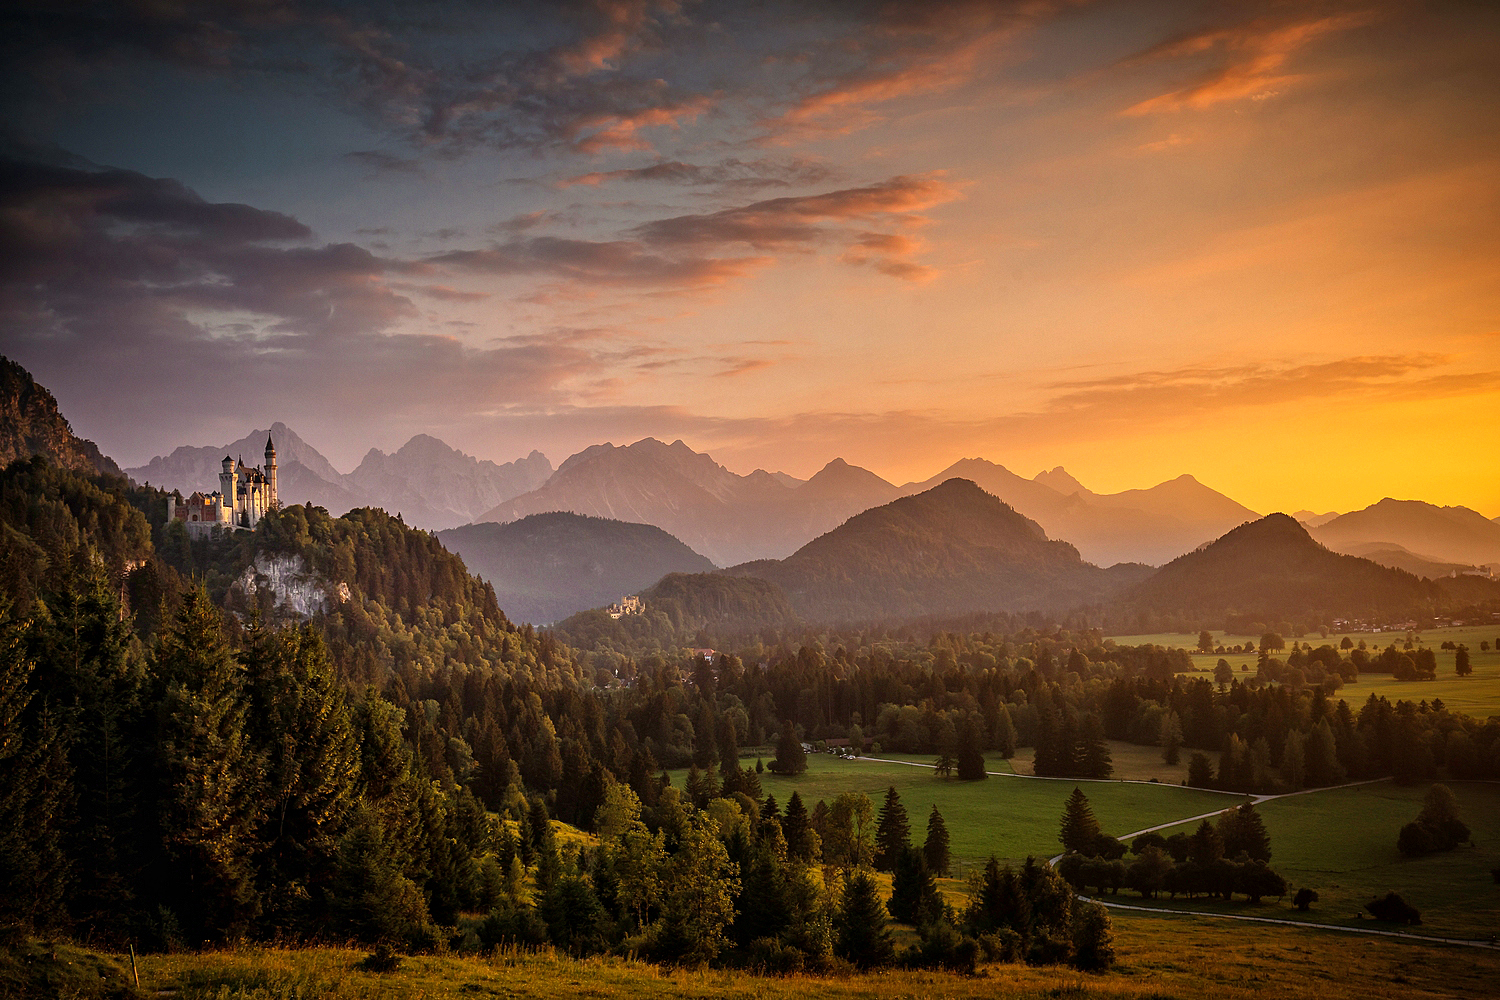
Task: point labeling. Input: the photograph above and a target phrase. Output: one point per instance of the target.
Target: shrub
(1093, 938)
(1304, 899)
(1393, 909)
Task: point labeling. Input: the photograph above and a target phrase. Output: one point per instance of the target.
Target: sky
(1254, 242)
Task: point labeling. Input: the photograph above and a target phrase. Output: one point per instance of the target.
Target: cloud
(615, 262)
(765, 172)
(1249, 61)
(379, 163)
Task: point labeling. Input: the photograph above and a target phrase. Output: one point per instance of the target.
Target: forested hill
(1272, 569)
(949, 550)
(547, 566)
(30, 424)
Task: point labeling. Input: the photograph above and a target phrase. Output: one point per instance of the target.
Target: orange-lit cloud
(1250, 61)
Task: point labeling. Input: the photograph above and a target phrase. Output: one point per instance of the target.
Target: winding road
(1491, 944)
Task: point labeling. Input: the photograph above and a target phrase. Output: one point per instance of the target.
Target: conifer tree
(893, 832)
(1242, 830)
(797, 828)
(208, 775)
(1080, 830)
(862, 935)
(970, 756)
(1171, 738)
(1206, 845)
(935, 848)
(1005, 734)
(790, 758)
(1095, 761)
(914, 893)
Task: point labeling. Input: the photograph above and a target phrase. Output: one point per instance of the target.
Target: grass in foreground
(1158, 957)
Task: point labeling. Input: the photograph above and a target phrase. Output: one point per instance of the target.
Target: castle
(243, 498)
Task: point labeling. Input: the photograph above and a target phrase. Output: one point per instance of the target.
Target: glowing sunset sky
(1255, 242)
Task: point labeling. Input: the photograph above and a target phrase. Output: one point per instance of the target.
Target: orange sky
(1255, 242)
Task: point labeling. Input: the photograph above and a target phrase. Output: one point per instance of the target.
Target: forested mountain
(727, 517)
(547, 566)
(952, 549)
(1446, 534)
(1273, 570)
(436, 487)
(30, 424)
(1149, 526)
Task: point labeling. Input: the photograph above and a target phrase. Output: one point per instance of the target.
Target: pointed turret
(271, 500)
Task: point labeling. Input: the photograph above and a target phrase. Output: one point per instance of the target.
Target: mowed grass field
(1008, 817)
(1158, 957)
(1342, 842)
(1477, 695)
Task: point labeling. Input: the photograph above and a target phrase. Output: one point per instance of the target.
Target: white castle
(244, 496)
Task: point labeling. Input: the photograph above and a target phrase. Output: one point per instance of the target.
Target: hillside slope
(547, 566)
(31, 424)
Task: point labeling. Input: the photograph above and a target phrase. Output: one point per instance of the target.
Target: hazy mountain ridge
(951, 549)
(436, 486)
(545, 567)
(32, 424)
(727, 517)
(1150, 526)
(1446, 534)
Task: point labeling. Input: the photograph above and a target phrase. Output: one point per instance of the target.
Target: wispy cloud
(1247, 61)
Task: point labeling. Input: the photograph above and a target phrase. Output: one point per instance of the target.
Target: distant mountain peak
(1060, 480)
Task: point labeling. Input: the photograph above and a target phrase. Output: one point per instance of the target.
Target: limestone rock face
(292, 590)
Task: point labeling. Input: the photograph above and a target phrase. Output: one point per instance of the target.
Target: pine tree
(914, 893)
(1242, 830)
(1080, 830)
(209, 777)
(34, 783)
(790, 757)
(970, 757)
(1171, 739)
(935, 849)
(1206, 845)
(862, 935)
(1096, 761)
(1005, 734)
(797, 829)
(893, 832)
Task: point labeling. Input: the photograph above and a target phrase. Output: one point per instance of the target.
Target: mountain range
(545, 567)
(728, 517)
(1436, 534)
(430, 484)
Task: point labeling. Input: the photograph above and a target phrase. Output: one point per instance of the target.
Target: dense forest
(186, 763)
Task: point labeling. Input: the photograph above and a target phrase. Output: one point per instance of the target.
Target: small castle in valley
(243, 498)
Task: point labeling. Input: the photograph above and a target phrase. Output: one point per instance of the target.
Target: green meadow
(1477, 695)
(1342, 842)
(1009, 817)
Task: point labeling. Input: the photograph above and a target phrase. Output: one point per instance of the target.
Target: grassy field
(1131, 762)
(1477, 695)
(1343, 844)
(1158, 958)
(1007, 817)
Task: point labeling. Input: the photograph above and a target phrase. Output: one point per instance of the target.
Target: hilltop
(547, 566)
(949, 550)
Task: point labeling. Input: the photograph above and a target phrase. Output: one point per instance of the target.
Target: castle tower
(227, 484)
(271, 501)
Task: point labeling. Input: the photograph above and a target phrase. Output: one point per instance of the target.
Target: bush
(382, 960)
(1093, 938)
(1145, 840)
(512, 924)
(1003, 945)
(1393, 909)
(942, 946)
(1304, 899)
(770, 957)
